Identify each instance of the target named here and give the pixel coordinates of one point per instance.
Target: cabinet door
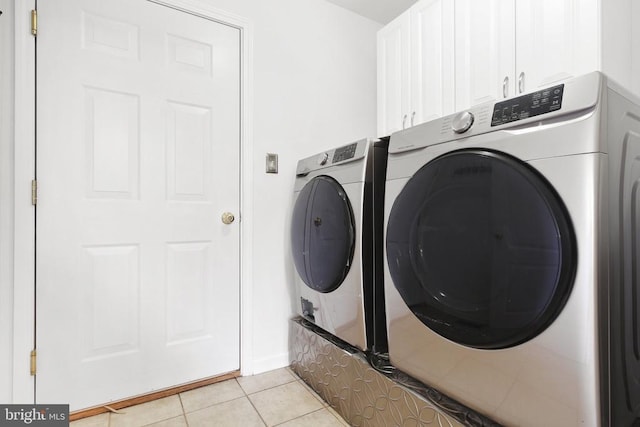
(393, 75)
(555, 39)
(432, 85)
(484, 51)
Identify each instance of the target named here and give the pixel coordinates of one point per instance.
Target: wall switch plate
(272, 163)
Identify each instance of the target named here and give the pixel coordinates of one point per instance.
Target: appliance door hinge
(34, 192)
(34, 22)
(33, 362)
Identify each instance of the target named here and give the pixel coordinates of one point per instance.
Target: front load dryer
(336, 242)
(512, 247)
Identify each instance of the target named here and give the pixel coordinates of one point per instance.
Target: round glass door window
(481, 249)
(322, 234)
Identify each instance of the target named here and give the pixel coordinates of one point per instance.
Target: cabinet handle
(413, 116)
(505, 87)
(521, 82)
(404, 121)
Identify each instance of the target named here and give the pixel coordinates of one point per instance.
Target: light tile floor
(275, 398)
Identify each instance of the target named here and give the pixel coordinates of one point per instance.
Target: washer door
(481, 249)
(322, 234)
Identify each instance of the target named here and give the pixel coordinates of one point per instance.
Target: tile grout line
(257, 412)
(326, 405)
(314, 393)
(170, 417)
(211, 405)
(184, 413)
(246, 395)
(271, 388)
(304, 415)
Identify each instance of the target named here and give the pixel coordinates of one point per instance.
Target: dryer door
(481, 249)
(322, 234)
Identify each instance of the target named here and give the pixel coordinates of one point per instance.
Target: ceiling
(382, 11)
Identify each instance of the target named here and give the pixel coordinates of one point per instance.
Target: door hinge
(33, 362)
(34, 192)
(34, 22)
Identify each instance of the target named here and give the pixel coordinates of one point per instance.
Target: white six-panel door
(138, 129)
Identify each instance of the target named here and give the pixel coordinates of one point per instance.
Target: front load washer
(336, 242)
(512, 247)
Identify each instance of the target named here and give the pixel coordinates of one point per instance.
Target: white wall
(616, 53)
(314, 67)
(313, 88)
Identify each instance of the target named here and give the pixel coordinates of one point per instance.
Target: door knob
(228, 218)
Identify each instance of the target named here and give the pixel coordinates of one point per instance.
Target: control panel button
(462, 122)
(322, 160)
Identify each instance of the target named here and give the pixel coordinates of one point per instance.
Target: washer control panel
(344, 153)
(530, 105)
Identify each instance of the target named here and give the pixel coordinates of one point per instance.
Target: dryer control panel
(344, 153)
(530, 105)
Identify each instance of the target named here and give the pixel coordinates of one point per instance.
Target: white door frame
(24, 172)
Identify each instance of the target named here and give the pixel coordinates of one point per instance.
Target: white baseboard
(270, 363)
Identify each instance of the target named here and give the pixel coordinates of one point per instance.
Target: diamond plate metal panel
(363, 395)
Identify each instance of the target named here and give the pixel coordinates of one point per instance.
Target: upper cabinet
(504, 48)
(445, 56)
(555, 39)
(393, 75)
(485, 51)
(415, 64)
(431, 60)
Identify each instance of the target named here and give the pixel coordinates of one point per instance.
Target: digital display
(530, 105)
(344, 153)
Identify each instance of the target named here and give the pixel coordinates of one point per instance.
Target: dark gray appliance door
(322, 234)
(481, 249)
